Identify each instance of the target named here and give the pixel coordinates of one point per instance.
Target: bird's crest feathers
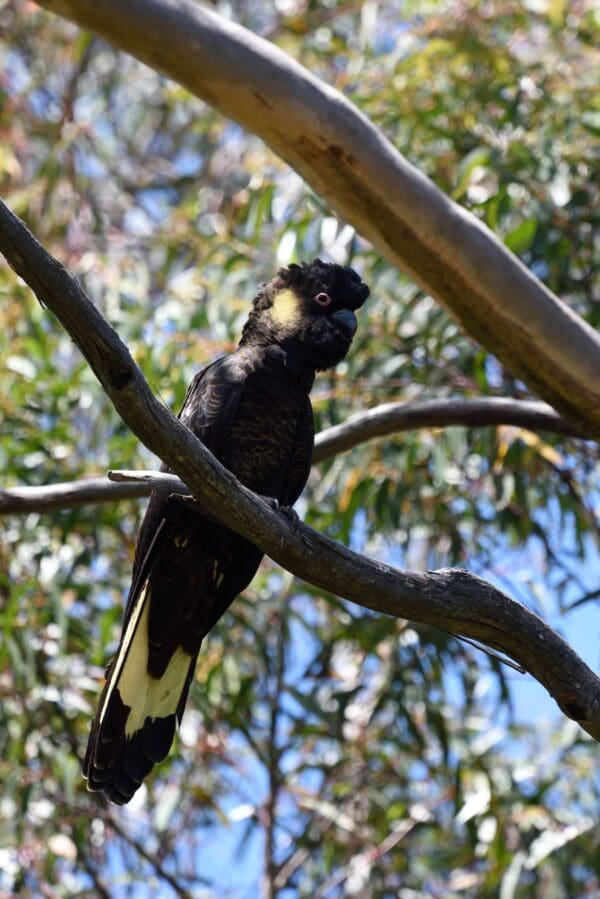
(301, 310)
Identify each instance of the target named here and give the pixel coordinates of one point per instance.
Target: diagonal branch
(150, 858)
(453, 600)
(382, 421)
(88, 811)
(349, 162)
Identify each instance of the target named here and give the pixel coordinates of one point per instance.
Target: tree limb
(67, 495)
(451, 599)
(384, 420)
(393, 418)
(341, 154)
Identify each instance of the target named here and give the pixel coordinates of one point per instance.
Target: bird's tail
(135, 723)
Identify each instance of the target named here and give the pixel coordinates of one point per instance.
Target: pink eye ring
(323, 299)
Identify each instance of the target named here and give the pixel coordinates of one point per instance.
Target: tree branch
(452, 600)
(99, 810)
(67, 495)
(393, 418)
(382, 421)
(341, 154)
(150, 858)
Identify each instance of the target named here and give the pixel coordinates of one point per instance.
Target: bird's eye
(323, 299)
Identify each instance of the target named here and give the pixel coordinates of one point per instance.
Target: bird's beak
(347, 319)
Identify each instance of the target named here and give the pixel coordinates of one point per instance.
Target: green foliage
(341, 752)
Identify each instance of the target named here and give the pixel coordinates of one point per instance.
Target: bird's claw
(190, 502)
(293, 520)
(287, 511)
(291, 515)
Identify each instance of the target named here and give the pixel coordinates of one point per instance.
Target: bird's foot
(190, 502)
(287, 511)
(292, 518)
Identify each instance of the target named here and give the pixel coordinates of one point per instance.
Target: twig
(494, 655)
(156, 865)
(100, 888)
(100, 811)
(366, 858)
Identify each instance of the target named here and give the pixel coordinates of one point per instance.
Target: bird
(252, 410)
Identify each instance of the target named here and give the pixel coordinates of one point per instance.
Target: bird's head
(308, 311)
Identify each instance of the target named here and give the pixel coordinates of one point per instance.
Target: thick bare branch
(349, 162)
(382, 421)
(452, 600)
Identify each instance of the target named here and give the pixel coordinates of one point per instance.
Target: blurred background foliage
(326, 751)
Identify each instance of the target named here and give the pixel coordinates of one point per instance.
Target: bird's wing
(301, 459)
(170, 607)
(209, 408)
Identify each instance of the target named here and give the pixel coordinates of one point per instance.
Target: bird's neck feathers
(279, 363)
(269, 331)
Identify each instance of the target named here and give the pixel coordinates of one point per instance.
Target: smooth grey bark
(451, 599)
(347, 160)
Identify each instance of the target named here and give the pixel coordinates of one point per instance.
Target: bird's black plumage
(252, 410)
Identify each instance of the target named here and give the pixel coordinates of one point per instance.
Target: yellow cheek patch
(285, 311)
